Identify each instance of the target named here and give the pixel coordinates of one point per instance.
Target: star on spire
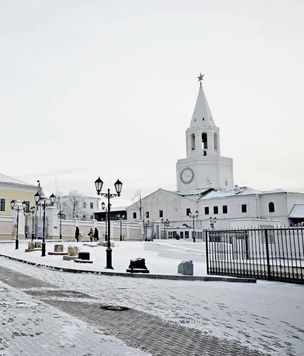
(200, 78)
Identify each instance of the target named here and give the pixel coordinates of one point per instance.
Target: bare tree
(73, 205)
(138, 203)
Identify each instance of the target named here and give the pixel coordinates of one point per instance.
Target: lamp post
(32, 210)
(61, 216)
(26, 213)
(166, 224)
(103, 207)
(17, 207)
(108, 195)
(212, 222)
(193, 216)
(38, 198)
(120, 217)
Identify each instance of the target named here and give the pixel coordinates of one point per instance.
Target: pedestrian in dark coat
(91, 233)
(96, 238)
(77, 234)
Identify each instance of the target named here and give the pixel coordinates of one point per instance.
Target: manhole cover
(113, 307)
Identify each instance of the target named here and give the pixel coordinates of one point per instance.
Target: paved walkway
(42, 318)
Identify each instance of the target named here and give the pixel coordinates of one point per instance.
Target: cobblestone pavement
(41, 318)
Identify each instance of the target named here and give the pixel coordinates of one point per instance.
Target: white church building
(206, 195)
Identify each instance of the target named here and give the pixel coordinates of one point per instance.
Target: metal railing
(272, 254)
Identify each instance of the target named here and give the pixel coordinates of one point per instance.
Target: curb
(145, 275)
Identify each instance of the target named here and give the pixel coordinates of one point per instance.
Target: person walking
(96, 238)
(91, 233)
(77, 234)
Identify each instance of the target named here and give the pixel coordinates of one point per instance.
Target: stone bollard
(31, 245)
(58, 248)
(138, 266)
(73, 250)
(38, 244)
(185, 268)
(84, 255)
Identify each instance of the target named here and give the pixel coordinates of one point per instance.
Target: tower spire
(202, 115)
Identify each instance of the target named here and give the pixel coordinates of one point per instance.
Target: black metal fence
(272, 254)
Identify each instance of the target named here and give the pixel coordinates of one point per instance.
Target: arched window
(204, 141)
(192, 142)
(271, 207)
(215, 141)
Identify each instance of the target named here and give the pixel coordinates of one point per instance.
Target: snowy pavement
(264, 317)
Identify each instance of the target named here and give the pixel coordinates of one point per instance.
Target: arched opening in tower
(192, 142)
(204, 141)
(215, 141)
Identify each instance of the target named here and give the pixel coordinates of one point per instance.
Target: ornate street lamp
(108, 195)
(17, 207)
(166, 224)
(212, 222)
(38, 198)
(193, 216)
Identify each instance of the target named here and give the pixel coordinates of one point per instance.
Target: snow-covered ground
(122, 253)
(266, 316)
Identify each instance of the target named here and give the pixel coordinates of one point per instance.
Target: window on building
(188, 211)
(83, 217)
(134, 215)
(84, 205)
(161, 214)
(147, 215)
(225, 209)
(271, 207)
(91, 205)
(215, 210)
(2, 204)
(244, 208)
(206, 210)
(91, 217)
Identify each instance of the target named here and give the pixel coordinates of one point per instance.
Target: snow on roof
(297, 211)
(7, 179)
(230, 192)
(279, 190)
(194, 192)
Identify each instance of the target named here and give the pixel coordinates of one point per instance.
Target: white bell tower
(204, 166)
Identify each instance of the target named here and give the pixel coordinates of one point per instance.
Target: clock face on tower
(187, 175)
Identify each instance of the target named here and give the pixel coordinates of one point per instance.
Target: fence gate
(33, 227)
(273, 254)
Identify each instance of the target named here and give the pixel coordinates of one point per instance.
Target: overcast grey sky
(108, 88)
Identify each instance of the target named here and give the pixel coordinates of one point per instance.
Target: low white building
(79, 206)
